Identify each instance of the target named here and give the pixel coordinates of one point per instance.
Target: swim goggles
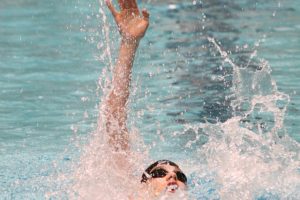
(160, 173)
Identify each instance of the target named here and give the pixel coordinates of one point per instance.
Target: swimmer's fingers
(127, 4)
(145, 14)
(132, 4)
(123, 4)
(111, 8)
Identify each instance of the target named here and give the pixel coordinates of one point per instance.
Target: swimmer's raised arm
(132, 26)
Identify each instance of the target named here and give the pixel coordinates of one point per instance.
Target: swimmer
(162, 176)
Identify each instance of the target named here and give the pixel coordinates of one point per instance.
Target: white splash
(247, 159)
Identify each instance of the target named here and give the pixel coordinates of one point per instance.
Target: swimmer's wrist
(130, 42)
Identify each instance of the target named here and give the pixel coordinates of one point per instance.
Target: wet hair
(145, 175)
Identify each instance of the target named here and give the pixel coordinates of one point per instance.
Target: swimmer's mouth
(172, 187)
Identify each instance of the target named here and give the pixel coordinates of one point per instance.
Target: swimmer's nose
(171, 176)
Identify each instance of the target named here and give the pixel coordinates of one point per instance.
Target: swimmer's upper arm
(116, 128)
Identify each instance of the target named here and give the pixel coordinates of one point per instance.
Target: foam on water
(247, 157)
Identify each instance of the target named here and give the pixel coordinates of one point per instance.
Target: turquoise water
(51, 58)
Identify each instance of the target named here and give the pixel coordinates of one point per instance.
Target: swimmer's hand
(131, 24)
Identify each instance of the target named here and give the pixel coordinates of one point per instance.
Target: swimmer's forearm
(122, 76)
(118, 97)
(126, 57)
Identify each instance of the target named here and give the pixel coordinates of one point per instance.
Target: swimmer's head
(164, 176)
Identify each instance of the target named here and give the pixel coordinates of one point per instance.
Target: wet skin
(163, 184)
(132, 24)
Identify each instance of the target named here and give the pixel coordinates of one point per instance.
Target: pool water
(214, 88)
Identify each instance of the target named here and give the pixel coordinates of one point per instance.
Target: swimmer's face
(168, 179)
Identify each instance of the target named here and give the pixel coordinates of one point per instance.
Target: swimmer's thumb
(145, 14)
